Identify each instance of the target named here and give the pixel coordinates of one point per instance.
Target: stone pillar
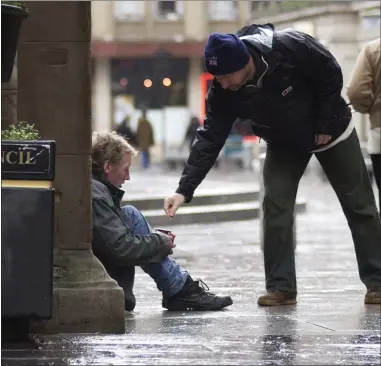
(196, 12)
(194, 89)
(103, 21)
(9, 100)
(102, 118)
(54, 93)
(244, 13)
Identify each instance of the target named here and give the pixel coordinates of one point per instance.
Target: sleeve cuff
(188, 196)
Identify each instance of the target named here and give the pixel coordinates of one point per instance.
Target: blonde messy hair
(109, 147)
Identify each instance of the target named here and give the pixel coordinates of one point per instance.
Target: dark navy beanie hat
(225, 54)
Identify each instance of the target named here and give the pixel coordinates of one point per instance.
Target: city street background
(89, 66)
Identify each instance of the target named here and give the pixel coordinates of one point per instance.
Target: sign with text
(28, 160)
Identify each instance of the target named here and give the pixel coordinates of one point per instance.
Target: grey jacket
(113, 243)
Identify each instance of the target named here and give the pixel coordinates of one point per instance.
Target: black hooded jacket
(297, 95)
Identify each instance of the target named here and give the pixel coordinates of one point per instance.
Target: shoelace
(202, 284)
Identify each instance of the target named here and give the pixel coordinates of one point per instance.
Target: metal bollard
(261, 197)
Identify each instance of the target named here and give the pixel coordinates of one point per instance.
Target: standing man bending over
(290, 87)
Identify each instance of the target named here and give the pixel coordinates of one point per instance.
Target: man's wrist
(322, 128)
(164, 238)
(187, 196)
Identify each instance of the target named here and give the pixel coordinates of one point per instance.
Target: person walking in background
(124, 130)
(144, 138)
(191, 132)
(364, 92)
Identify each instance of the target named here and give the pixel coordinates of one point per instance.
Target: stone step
(211, 213)
(206, 197)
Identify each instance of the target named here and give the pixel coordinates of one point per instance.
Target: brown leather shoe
(373, 296)
(277, 298)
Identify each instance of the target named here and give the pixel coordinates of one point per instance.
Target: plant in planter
(21, 147)
(24, 152)
(20, 131)
(12, 15)
(20, 4)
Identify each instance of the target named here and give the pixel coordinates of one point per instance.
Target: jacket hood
(259, 36)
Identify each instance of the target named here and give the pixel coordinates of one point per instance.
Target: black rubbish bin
(11, 19)
(27, 212)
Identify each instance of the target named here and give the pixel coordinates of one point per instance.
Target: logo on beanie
(213, 61)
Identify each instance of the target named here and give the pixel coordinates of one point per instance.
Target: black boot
(194, 296)
(127, 284)
(129, 301)
(125, 276)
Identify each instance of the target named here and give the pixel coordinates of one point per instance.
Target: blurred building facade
(148, 53)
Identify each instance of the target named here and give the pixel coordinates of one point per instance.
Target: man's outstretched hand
(172, 203)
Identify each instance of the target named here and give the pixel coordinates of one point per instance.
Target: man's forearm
(136, 250)
(201, 159)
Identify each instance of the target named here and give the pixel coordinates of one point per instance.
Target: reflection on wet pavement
(213, 345)
(342, 331)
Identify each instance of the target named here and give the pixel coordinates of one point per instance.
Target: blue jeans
(145, 159)
(168, 275)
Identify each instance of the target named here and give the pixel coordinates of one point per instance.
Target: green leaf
(20, 131)
(20, 4)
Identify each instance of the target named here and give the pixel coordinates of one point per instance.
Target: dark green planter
(11, 19)
(27, 213)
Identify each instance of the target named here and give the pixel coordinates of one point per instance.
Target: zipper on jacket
(259, 82)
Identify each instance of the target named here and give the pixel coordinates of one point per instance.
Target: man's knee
(137, 221)
(279, 209)
(130, 210)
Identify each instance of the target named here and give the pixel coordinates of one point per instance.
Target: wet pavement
(329, 325)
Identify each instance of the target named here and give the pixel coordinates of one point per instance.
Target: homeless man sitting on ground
(123, 239)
